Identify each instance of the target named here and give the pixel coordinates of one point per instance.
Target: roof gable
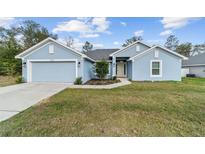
(157, 46)
(45, 42)
(129, 46)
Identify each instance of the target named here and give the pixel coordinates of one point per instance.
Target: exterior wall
(128, 52)
(184, 72)
(171, 67)
(87, 70)
(131, 51)
(199, 71)
(129, 70)
(43, 53)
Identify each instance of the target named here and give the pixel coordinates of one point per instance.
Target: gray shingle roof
(99, 54)
(195, 60)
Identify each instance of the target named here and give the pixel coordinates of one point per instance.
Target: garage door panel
(53, 71)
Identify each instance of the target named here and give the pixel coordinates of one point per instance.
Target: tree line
(14, 40)
(17, 39)
(172, 42)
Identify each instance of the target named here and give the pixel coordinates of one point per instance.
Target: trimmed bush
(101, 69)
(78, 81)
(19, 79)
(114, 78)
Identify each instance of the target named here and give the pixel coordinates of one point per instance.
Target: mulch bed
(101, 82)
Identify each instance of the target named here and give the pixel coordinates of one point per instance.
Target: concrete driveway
(16, 98)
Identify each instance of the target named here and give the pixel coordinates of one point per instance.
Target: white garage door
(53, 71)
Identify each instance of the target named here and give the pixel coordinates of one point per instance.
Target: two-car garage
(52, 71)
(51, 61)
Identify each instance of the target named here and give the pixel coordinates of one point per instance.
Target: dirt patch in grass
(101, 82)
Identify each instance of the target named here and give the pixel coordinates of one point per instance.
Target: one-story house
(52, 61)
(194, 65)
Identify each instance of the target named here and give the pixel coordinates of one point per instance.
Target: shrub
(19, 79)
(101, 69)
(78, 81)
(114, 78)
(10, 67)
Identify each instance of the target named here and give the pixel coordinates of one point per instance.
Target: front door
(121, 69)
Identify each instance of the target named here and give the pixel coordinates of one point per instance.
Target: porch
(121, 67)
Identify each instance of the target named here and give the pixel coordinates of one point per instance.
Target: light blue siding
(53, 71)
(24, 71)
(60, 53)
(131, 51)
(88, 70)
(171, 67)
(129, 70)
(199, 71)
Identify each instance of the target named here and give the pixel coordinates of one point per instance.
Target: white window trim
(160, 68)
(109, 68)
(29, 65)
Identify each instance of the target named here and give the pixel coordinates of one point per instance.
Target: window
(156, 54)
(137, 48)
(156, 68)
(125, 68)
(51, 49)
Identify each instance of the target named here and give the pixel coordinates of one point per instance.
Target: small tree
(101, 69)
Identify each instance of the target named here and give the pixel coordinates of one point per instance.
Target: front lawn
(7, 80)
(139, 109)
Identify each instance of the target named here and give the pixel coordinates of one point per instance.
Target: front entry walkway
(123, 82)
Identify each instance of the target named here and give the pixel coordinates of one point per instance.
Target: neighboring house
(194, 65)
(51, 61)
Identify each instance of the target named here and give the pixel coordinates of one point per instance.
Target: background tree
(172, 42)
(33, 33)
(9, 47)
(16, 39)
(132, 40)
(184, 49)
(87, 47)
(69, 41)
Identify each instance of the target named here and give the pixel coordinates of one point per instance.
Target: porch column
(113, 66)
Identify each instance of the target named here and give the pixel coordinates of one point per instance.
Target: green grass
(139, 109)
(7, 80)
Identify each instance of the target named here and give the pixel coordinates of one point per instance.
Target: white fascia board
(170, 51)
(144, 52)
(128, 47)
(174, 53)
(31, 48)
(23, 54)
